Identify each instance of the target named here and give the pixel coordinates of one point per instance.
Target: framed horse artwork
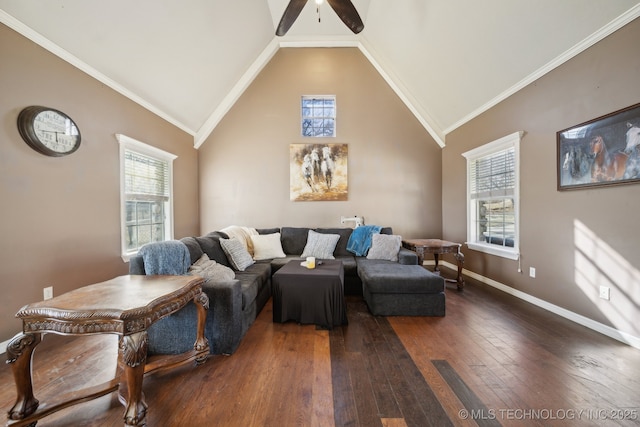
(602, 151)
(318, 172)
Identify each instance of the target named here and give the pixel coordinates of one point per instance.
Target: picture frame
(318, 172)
(600, 152)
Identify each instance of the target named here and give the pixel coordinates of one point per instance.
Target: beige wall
(394, 165)
(60, 218)
(555, 225)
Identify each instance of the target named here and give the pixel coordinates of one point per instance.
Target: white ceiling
(188, 61)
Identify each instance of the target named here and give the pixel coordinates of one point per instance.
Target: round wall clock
(48, 131)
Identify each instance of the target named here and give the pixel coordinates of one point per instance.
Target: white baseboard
(621, 336)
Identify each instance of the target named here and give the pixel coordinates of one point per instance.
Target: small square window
(319, 116)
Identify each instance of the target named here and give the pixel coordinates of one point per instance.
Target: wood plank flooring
(492, 360)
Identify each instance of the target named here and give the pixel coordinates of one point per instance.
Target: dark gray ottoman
(392, 289)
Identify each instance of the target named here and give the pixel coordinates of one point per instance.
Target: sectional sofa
(235, 300)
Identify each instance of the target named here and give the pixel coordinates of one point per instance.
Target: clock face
(56, 131)
(48, 131)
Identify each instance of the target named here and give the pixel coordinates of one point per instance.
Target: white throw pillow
(237, 253)
(320, 245)
(267, 246)
(385, 246)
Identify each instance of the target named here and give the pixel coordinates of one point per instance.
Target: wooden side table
(125, 306)
(437, 247)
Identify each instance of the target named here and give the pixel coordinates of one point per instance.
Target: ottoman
(392, 289)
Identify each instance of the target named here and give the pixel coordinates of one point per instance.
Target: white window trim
(512, 140)
(127, 142)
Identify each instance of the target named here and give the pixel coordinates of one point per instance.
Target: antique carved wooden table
(125, 306)
(437, 247)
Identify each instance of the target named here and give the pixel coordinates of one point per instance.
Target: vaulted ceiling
(188, 61)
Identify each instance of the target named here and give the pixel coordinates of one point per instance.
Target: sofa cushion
(252, 279)
(341, 247)
(388, 277)
(320, 245)
(195, 250)
(385, 246)
(268, 230)
(210, 244)
(293, 239)
(349, 265)
(237, 253)
(267, 246)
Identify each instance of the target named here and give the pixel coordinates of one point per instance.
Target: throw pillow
(267, 246)
(320, 245)
(385, 246)
(211, 270)
(237, 253)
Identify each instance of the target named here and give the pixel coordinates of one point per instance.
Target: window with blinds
(146, 175)
(492, 173)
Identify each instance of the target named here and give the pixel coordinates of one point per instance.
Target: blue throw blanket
(170, 257)
(360, 239)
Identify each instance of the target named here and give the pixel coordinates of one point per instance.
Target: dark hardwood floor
(492, 360)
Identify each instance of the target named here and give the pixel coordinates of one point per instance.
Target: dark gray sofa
(235, 304)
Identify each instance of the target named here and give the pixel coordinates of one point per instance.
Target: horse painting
(606, 166)
(327, 166)
(318, 172)
(633, 137)
(577, 163)
(307, 172)
(315, 165)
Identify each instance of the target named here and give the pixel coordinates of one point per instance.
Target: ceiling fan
(345, 10)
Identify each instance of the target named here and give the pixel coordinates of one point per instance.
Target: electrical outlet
(605, 292)
(532, 272)
(48, 292)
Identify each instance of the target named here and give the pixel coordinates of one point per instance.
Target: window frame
(303, 117)
(130, 144)
(507, 142)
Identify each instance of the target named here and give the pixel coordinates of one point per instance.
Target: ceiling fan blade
(347, 12)
(289, 16)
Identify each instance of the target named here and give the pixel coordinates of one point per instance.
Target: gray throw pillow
(320, 245)
(385, 246)
(237, 254)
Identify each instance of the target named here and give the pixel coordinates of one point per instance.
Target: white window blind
(146, 177)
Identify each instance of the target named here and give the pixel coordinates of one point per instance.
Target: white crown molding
(65, 55)
(616, 334)
(594, 38)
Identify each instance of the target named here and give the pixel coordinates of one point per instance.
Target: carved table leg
(133, 351)
(201, 344)
(460, 259)
(19, 355)
(420, 252)
(436, 269)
